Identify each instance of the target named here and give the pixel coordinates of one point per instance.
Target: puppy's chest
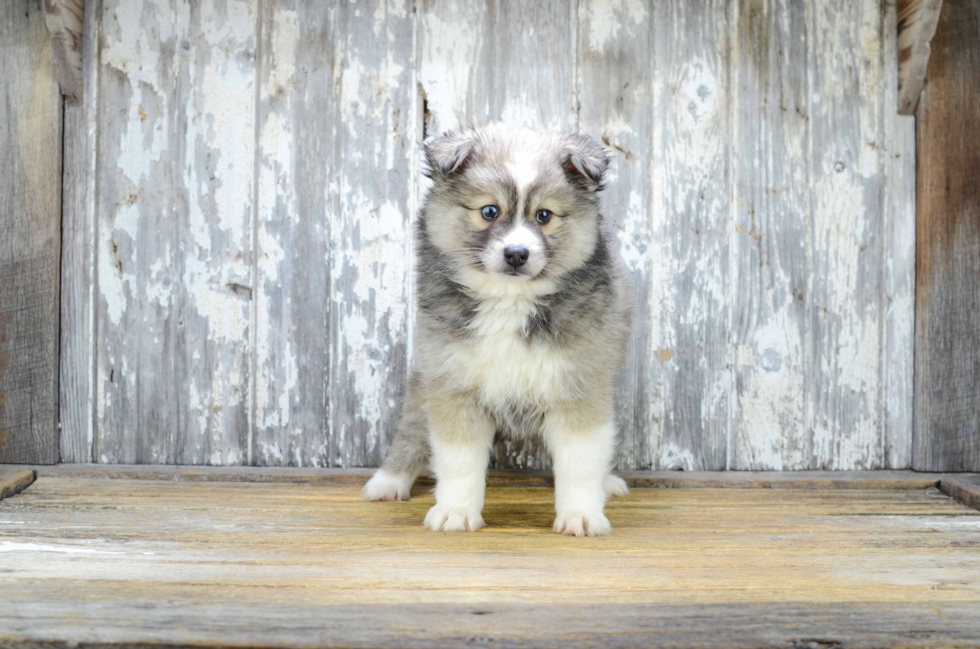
(501, 362)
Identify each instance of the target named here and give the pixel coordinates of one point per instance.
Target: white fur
(581, 465)
(615, 486)
(523, 170)
(519, 235)
(535, 371)
(462, 479)
(388, 486)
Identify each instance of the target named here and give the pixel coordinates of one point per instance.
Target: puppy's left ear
(585, 161)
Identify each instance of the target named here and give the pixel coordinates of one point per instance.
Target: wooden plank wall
(30, 235)
(947, 352)
(256, 175)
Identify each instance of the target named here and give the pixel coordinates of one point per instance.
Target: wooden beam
(31, 112)
(947, 296)
(14, 482)
(963, 488)
(900, 480)
(65, 19)
(917, 20)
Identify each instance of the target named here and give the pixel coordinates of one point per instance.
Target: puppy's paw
(582, 524)
(442, 518)
(613, 485)
(388, 486)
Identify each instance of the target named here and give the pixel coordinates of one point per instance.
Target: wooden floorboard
(121, 562)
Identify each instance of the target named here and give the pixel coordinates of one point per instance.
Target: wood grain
(844, 418)
(897, 263)
(30, 236)
(336, 150)
(78, 256)
(14, 481)
(692, 226)
(947, 295)
(113, 562)
(768, 250)
(174, 231)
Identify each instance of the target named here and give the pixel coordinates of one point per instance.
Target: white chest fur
(500, 363)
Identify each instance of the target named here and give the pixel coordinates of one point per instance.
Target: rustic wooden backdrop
(242, 176)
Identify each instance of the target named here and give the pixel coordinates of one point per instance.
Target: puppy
(523, 321)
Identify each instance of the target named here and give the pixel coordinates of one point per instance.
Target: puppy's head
(517, 205)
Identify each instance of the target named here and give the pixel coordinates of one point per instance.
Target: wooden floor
(93, 561)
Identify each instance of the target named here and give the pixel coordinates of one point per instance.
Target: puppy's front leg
(582, 457)
(461, 435)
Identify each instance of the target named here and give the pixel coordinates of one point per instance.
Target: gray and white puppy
(523, 321)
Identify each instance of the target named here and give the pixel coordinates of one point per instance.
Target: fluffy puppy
(523, 322)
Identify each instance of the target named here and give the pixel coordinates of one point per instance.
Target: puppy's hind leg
(407, 455)
(613, 485)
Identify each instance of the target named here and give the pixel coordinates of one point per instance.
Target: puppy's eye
(543, 217)
(490, 212)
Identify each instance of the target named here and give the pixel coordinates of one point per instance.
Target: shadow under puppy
(523, 322)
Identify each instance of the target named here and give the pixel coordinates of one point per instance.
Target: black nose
(516, 255)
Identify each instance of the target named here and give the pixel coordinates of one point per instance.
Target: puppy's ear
(584, 161)
(448, 154)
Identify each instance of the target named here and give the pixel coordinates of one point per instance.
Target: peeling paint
(254, 282)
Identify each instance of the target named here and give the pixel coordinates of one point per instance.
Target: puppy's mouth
(521, 273)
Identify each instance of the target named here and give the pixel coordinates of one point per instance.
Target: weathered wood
(692, 141)
(78, 257)
(337, 139)
(769, 255)
(947, 341)
(257, 178)
(65, 20)
(30, 236)
(897, 263)
(175, 212)
(965, 488)
(113, 562)
(138, 623)
(846, 173)
(917, 20)
(13, 482)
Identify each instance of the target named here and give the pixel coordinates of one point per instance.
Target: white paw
(388, 486)
(582, 524)
(453, 519)
(613, 485)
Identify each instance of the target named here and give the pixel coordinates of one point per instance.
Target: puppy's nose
(516, 255)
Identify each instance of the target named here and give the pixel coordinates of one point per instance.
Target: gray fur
(587, 311)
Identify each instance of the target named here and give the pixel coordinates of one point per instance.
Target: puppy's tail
(407, 456)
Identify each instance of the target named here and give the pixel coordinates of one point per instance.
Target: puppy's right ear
(448, 154)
